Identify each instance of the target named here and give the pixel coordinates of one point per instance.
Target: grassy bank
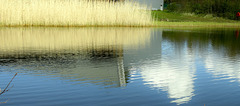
(170, 19)
(196, 24)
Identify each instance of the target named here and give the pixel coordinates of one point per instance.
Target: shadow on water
(85, 55)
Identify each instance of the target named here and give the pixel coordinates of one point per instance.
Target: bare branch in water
(4, 102)
(6, 89)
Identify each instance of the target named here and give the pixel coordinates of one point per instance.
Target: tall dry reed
(72, 13)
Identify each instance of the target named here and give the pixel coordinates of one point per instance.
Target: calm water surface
(120, 66)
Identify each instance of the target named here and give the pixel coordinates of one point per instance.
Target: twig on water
(6, 89)
(4, 102)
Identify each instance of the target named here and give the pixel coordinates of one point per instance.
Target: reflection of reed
(69, 40)
(65, 52)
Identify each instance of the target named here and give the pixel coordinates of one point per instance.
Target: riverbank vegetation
(85, 13)
(217, 8)
(176, 19)
(72, 13)
(196, 24)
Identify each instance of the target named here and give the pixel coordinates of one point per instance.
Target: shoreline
(197, 24)
(155, 24)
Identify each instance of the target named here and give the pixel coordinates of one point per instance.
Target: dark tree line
(220, 8)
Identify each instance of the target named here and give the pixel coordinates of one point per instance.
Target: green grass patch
(195, 24)
(187, 17)
(171, 19)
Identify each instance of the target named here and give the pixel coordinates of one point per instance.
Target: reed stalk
(73, 13)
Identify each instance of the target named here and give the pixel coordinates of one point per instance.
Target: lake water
(120, 66)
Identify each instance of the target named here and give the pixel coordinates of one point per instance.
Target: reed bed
(73, 13)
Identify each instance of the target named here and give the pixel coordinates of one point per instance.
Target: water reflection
(219, 50)
(205, 40)
(38, 41)
(223, 60)
(171, 71)
(237, 33)
(222, 67)
(84, 55)
(166, 60)
(176, 79)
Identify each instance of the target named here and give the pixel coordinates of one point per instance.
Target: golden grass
(72, 13)
(41, 40)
